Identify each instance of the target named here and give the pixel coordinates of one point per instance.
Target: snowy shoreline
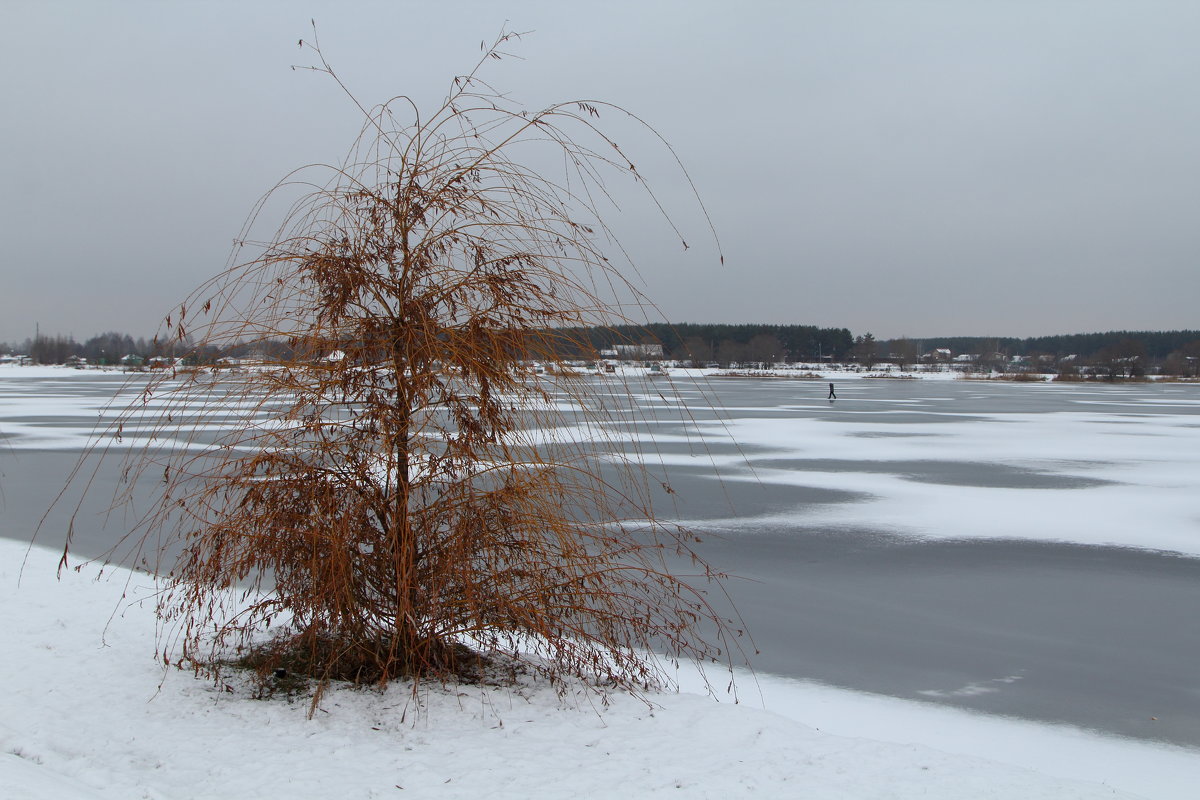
(91, 714)
(796, 372)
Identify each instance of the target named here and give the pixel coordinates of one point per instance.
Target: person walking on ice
(832, 394)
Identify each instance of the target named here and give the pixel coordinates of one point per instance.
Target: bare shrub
(402, 496)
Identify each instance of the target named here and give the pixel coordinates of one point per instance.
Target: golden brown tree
(403, 496)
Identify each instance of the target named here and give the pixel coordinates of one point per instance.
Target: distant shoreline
(793, 372)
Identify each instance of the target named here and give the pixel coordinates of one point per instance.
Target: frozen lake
(1030, 550)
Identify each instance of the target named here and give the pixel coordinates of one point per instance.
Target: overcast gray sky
(905, 168)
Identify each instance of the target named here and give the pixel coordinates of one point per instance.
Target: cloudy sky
(905, 168)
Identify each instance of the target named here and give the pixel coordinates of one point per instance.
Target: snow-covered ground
(89, 713)
(1139, 469)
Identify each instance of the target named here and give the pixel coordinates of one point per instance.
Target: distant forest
(706, 343)
(723, 345)
(1153, 344)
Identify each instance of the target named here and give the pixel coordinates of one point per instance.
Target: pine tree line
(1151, 344)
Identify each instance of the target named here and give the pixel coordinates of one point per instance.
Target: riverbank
(90, 714)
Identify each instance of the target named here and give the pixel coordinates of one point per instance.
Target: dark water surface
(1096, 636)
(1101, 637)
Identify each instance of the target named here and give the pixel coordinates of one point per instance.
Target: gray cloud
(914, 168)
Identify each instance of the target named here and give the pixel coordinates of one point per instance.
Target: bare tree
(1185, 361)
(765, 348)
(403, 496)
(905, 351)
(697, 350)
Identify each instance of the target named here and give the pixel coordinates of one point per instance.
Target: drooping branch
(404, 491)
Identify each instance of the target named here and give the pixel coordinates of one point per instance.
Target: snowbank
(90, 714)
